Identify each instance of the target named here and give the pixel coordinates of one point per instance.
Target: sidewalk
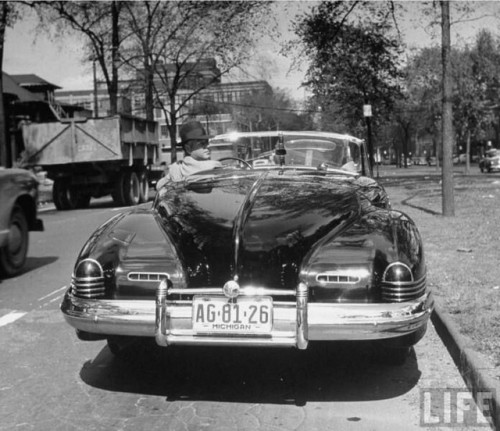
(387, 172)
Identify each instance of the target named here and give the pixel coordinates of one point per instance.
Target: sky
(59, 61)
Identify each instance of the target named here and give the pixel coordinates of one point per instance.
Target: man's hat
(192, 130)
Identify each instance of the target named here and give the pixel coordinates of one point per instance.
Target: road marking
(52, 293)
(11, 317)
(57, 298)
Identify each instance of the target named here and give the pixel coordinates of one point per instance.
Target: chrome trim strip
(403, 291)
(302, 323)
(149, 276)
(161, 314)
(88, 279)
(244, 291)
(97, 283)
(406, 283)
(334, 277)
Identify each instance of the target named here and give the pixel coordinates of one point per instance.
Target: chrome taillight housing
(398, 284)
(88, 280)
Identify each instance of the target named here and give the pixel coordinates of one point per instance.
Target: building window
(163, 130)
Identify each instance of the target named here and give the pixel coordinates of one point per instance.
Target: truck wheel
(59, 194)
(131, 189)
(82, 200)
(66, 197)
(144, 187)
(13, 254)
(117, 193)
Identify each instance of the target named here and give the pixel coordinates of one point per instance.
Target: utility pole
(367, 113)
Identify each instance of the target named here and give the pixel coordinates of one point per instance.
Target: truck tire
(60, 194)
(131, 189)
(13, 254)
(127, 189)
(67, 197)
(144, 187)
(117, 193)
(83, 200)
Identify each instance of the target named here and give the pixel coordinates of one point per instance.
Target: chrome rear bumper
(294, 323)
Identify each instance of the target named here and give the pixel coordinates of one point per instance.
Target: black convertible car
(290, 242)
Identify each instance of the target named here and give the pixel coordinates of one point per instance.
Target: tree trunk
(149, 98)
(448, 203)
(172, 131)
(467, 154)
(113, 90)
(4, 10)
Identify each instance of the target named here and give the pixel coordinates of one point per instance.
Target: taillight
(398, 284)
(88, 280)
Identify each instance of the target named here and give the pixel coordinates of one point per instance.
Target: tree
(8, 15)
(419, 108)
(354, 59)
(144, 22)
(99, 22)
(469, 110)
(448, 203)
(181, 38)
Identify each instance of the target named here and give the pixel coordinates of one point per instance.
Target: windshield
(302, 149)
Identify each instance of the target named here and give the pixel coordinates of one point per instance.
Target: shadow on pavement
(340, 371)
(33, 263)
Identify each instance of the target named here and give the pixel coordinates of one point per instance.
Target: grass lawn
(462, 252)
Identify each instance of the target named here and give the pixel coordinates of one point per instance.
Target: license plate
(244, 316)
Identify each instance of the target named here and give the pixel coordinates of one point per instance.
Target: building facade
(215, 106)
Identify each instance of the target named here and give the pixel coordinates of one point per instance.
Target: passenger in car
(194, 140)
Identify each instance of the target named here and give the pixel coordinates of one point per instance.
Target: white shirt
(178, 171)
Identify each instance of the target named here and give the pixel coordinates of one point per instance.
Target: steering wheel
(243, 163)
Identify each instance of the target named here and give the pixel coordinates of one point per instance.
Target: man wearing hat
(194, 140)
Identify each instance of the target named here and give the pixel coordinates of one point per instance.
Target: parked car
(296, 245)
(420, 161)
(18, 216)
(490, 161)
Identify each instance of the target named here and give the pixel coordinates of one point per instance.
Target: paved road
(49, 380)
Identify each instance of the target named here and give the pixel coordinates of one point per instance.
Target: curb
(472, 367)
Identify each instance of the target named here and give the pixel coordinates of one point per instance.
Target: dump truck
(93, 157)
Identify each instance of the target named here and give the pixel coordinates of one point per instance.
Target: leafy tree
(354, 59)
(485, 91)
(420, 106)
